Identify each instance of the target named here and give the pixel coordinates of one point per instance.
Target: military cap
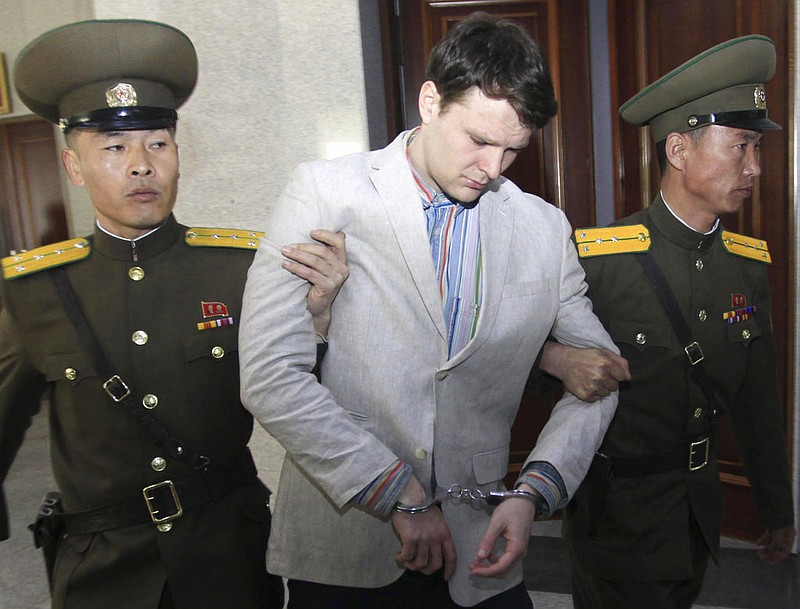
(721, 86)
(108, 74)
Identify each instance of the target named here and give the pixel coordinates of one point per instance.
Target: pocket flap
(490, 466)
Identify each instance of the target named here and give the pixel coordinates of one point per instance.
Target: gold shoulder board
(45, 257)
(223, 237)
(747, 247)
(612, 240)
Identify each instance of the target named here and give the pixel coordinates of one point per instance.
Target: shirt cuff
(546, 480)
(383, 493)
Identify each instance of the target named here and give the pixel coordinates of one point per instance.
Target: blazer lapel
(497, 224)
(395, 186)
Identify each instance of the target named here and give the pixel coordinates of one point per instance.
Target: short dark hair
(499, 57)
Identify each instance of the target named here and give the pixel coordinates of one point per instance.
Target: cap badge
(121, 95)
(760, 97)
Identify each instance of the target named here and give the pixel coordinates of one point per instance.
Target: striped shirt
(454, 235)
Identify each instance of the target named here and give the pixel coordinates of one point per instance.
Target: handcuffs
(467, 494)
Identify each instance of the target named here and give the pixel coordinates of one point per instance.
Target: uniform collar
(152, 244)
(676, 231)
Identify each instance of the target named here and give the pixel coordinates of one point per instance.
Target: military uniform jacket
(144, 300)
(636, 528)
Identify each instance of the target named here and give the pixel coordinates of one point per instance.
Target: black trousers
(592, 592)
(412, 591)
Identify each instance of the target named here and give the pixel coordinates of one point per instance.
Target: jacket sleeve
(277, 354)
(759, 423)
(575, 428)
(20, 391)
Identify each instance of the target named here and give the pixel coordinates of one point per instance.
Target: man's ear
(72, 165)
(675, 150)
(428, 101)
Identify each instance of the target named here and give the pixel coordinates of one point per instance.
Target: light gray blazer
(389, 390)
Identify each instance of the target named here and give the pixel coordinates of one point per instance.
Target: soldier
(133, 332)
(688, 305)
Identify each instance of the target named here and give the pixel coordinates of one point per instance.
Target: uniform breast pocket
(642, 335)
(72, 368)
(217, 344)
(741, 333)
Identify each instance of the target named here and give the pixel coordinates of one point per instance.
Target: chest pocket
(215, 344)
(72, 368)
(643, 335)
(743, 332)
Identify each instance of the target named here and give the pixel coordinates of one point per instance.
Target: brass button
(699, 265)
(641, 338)
(136, 273)
(164, 527)
(441, 375)
(159, 464)
(698, 413)
(420, 453)
(150, 401)
(746, 334)
(702, 315)
(139, 337)
(70, 374)
(218, 352)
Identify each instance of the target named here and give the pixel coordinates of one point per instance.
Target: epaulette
(747, 247)
(223, 237)
(630, 239)
(45, 257)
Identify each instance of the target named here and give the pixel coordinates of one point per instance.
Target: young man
(457, 277)
(644, 522)
(163, 506)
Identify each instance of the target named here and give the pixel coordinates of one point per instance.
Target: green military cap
(721, 86)
(108, 74)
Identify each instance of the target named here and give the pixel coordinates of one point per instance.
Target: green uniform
(636, 528)
(147, 302)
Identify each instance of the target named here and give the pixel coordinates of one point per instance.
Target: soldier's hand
(776, 544)
(324, 265)
(589, 374)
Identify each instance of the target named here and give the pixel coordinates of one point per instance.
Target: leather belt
(692, 457)
(167, 500)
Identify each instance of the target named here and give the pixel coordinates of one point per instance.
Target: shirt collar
(429, 196)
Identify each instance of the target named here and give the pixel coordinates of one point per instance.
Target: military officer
(133, 333)
(642, 525)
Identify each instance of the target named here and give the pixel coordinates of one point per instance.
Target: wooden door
(558, 164)
(31, 204)
(648, 38)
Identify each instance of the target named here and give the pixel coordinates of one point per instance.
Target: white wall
(281, 81)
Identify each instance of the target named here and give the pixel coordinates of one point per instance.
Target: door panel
(31, 204)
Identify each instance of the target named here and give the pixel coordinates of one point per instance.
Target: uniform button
(136, 273)
(702, 315)
(218, 352)
(420, 453)
(698, 412)
(70, 374)
(164, 527)
(698, 265)
(150, 401)
(139, 337)
(746, 334)
(159, 464)
(441, 375)
(641, 338)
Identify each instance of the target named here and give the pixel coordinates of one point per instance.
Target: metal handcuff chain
(466, 495)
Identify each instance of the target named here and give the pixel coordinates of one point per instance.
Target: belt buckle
(694, 352)
(116, 388)
(149, 499)
(695, 449)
